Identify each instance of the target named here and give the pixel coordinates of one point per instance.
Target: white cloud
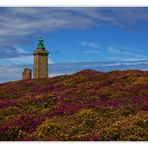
(21, 50)
(126, 53)
(90, 44)
(113, 50)
(18, 60)
(26, 60)
(92, 51)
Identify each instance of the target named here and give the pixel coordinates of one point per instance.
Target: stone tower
(40, 61)
(26, 75)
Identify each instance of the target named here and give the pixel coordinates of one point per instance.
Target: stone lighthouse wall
(40, 64)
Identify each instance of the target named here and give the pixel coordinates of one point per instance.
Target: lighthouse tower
(40, 61)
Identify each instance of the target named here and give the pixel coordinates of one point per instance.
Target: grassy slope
(88, 105)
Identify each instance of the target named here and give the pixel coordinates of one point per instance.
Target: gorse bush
(85, 106)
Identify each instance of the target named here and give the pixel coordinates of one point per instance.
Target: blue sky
(72, 35)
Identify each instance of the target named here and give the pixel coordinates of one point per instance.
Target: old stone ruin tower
(26, 75)
(40, 67)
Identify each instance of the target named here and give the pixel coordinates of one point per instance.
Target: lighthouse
(40, 68)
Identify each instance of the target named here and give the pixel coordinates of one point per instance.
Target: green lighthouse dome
(40, 43)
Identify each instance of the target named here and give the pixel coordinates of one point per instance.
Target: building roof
(40, 43)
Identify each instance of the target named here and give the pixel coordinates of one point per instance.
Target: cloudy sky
(81, 36)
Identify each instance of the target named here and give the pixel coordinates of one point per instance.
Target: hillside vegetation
(87, 105)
